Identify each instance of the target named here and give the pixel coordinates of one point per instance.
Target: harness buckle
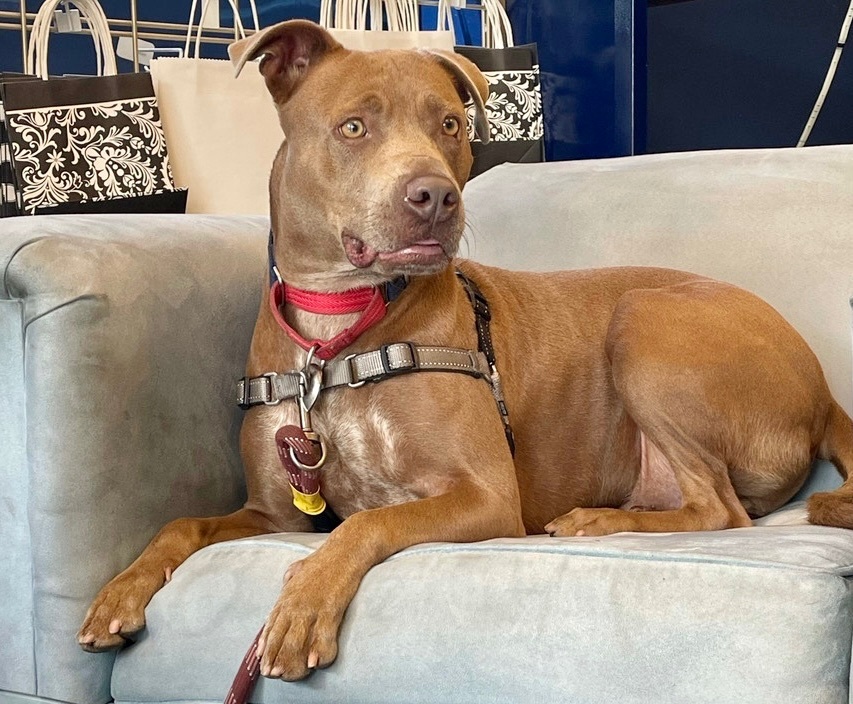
(270, 400)
(243, 395)
(387, 369)
(353, 374)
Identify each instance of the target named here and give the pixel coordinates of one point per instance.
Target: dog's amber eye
(450, 126)
(353, 129)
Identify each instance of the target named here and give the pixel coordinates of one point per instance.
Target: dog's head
(367, 185)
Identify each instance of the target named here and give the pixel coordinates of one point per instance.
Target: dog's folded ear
(289, 49)
(471, 84)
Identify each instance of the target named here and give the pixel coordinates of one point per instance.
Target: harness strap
(358, 369)
(482, 320)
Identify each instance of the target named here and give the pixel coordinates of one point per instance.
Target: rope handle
(497, 30)
(239, 29)
(402, 15)
(92, 11)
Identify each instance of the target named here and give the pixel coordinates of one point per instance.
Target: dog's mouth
(423, 254)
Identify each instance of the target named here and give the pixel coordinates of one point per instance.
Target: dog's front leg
(117, 612)
(302, 629)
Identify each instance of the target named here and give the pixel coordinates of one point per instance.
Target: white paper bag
(372, 40)
(222, 133)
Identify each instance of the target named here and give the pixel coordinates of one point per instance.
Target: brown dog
(641, 399)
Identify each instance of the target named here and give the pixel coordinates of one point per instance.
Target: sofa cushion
(629, 618)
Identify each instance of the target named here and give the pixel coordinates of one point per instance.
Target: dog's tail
(835, 508)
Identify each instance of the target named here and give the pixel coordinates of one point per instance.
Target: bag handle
(497, 30)
(205, 5)
(92, 11)
(402, 15)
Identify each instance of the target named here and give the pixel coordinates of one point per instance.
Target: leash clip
(310, 383)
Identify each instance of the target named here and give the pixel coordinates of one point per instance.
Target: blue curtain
(592, 62)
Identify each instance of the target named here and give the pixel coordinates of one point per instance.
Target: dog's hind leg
(118, 610)
(674, 472)
(835, 508)
(729, 400)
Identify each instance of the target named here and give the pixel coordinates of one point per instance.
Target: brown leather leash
(247, 675)
(302, 457)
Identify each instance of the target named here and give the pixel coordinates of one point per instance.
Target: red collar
(368, 301)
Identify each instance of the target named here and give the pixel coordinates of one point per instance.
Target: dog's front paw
(301, 633)
(117, 612)
(591, 522)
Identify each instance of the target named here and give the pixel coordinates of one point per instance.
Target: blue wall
(593, 69)
(745, 73)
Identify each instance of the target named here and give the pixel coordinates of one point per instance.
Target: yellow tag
(312, 504)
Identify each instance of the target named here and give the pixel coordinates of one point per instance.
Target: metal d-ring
(306, 467)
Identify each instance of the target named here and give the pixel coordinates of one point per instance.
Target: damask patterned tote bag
(10, 203)
(86, 144)
(89, 145)
(514, 105)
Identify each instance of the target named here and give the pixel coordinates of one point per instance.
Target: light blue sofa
(120, 338)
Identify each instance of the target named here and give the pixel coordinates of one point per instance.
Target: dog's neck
(318, 326)
(313, 325)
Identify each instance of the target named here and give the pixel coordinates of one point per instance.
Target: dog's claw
(117, 612)
(302, 629)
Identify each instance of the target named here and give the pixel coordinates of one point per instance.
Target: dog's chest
(363, 466)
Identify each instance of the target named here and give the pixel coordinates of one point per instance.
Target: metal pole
(24, 46)
(142, 35)
(142, 24)
(134, 29)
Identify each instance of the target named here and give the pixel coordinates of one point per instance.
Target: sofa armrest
(122, 337)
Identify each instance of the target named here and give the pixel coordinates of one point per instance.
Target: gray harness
(388, 361)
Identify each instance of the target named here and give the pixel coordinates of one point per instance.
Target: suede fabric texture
(124, 335)
(748, 615)
(17, 659)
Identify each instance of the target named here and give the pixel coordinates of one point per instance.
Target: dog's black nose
(432, 197)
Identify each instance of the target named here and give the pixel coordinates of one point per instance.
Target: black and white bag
(84, 141)
(86, 144)
(514, 105)
(10, 202)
